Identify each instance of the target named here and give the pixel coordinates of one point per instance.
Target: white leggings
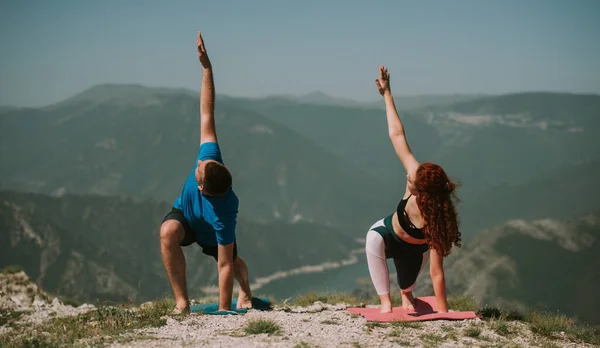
(377, 262)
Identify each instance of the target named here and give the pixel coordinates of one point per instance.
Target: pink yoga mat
(425, 309)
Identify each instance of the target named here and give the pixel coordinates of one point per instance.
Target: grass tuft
(11, 269)
(550, 325)
(262, 326)
(408, 324)
(472, 331)
(431, 339)
(501, 327)
(452, 335)
(489, 312)
(374, 324)
(395, 333)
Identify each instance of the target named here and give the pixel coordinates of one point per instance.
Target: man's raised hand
(383, 82)
(202, 55)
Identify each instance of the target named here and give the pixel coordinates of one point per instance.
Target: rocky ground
(26, 310)
(333, 326)
(24, 303)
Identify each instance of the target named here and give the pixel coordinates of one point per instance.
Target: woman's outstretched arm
(395, 126)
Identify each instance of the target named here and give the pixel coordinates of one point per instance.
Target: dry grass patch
(262, 326)
(101, 325)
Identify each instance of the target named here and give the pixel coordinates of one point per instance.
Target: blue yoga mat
(260, 304)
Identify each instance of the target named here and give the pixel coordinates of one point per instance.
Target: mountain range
(294, 161)
(87, 180)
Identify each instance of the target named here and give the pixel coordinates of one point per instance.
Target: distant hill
(321, 98)
(568, 191)
(402, 102)
(107, 248)
(480, 141)
(511, 139)
(483, 158)
(574, 114)
(358, 135)
(4, 108)
(562, 110)
(533, 264)
(422, 101)
(122, 94)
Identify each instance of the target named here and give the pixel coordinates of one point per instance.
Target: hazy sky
(52, 50)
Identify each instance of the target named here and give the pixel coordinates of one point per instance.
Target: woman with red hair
(425, 221)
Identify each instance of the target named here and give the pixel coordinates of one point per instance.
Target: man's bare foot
(181, 310)
(243, 302)
(408, 301)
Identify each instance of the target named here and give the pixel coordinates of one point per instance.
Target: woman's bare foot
(386, 308)
(408, 301)
(386, 303)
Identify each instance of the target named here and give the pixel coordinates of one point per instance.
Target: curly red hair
(435, 199)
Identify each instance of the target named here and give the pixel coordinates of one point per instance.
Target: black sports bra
(405, 223)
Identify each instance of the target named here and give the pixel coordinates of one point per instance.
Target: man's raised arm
(208, 131)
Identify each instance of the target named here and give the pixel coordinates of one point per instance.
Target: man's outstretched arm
(226, 272)
(208, 131)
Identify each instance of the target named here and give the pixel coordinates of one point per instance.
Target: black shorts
(408, 258)
(190, 236)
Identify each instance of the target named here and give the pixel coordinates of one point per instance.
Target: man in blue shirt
(205, 212)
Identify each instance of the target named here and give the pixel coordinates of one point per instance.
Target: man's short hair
(217, 179)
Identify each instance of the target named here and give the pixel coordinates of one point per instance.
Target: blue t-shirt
(213, 219)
